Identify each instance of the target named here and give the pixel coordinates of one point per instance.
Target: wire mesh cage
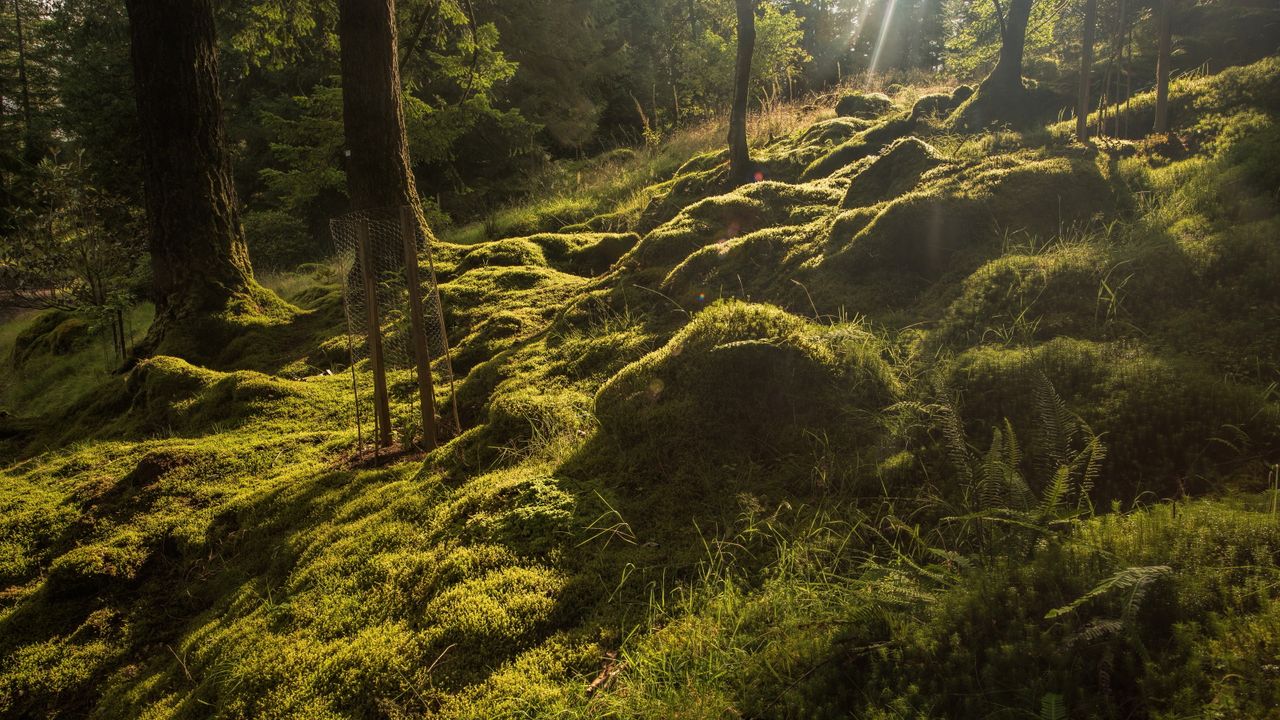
(402, 379)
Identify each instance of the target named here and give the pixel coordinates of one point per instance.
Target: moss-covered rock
(863, 145)
(1168, 426)
(506, 253)
(1027, 297)
(749, 382)
(53, 332)
(955, 220)
(863, 105)
(894, 172)
(724, 217)
(934, 105)
(586, 254)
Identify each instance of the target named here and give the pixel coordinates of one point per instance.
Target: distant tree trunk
(1006, 78)
(29, 152)
(378, 169)
(198, 254)
(739, 151)
(1086, 69)
(1165, 43)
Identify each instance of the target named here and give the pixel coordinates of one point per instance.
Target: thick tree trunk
(1006, 78)
(740, 170)
(1086, 69)
(378, 170)
(198, 254)
(1165, 45)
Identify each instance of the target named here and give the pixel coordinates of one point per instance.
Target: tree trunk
(740, 170)
(1086, 69)
(1006, 78)
(1165, 29)
(378, 170)
(29, 150)
(198, 255)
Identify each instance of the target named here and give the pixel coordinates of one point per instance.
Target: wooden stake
(381, 403)
(421, 354)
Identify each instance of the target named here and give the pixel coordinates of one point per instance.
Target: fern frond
(1053, 707)
(1054, 493)
(953, 434)
(992, 483)
(1056, 427)
(1127, 579)
(1012, 453)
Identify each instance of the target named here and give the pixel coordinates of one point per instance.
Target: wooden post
(368, 269)
(421, 354)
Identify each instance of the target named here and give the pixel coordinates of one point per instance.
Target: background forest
(495, 91)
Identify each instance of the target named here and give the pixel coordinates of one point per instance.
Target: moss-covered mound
(957, 218)
(502, 253)
(1033, 297)
(54, 332)
(725, 217)
(169, 395)
(750, 382)
(894, 172)
(1165, 422)
(490, 308)
(586, 254)
(863, 105)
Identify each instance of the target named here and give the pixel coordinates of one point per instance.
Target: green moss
(1168, 425)
(585, 254)
(510, 252)
(746, 381)
(892, 173)
(754, 511)
(1031, 297)
(863, 105)
(956, 219)
(54, 332)
(724, 217)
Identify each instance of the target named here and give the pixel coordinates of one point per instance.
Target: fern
(953, 434)
(1055, 493)
(1053, 707)
(1134, 579)
(1056, 427)
(991, 482)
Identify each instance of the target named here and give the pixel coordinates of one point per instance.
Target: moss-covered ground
(924, 424)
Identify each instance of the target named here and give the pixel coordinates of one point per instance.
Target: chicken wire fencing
(401, 377)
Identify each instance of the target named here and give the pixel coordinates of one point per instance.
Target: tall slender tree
(378, 169)
(198, 256)
(1164, 29)
(739, 152)
(1086, 69)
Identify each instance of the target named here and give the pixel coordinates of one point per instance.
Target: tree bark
(1006, 78)
(29, 150)
(1165, 43)
(1086, 69)
(740, 170)
(1007, 74)
(198, 254)
(378, 171)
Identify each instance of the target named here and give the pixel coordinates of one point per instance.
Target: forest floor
(925, 423)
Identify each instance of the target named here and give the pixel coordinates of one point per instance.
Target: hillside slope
(923, 424)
